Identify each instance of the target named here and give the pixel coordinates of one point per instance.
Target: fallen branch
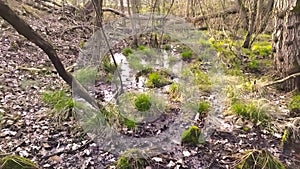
(282, 80)
(24, 29)
(226, 12)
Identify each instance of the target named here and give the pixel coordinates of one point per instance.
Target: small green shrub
(192, 136)
(203, 106)
(130, 123)
(16, 162)
(143, 102)
(186, 55)
(61, 103)
(86, 75)
(127, 51)
(294, 105)
(285, 136)
(262, 159)
(157, 80)
(253, 111)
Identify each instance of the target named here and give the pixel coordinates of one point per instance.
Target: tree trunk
(287, 42)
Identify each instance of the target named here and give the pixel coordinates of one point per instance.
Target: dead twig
(282, 80)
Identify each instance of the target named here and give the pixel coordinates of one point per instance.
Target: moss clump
(17, 162)
(203, 106)
(186, 55)
(253, 111)
(167, 47)
(109, 67)
(157, 80)
(142, 47)
(131, 160)
(259, 159)
(294, 105)
(86, 75)
(127, 51)
(192, 136)
(143, 102)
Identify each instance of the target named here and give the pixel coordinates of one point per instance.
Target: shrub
(157, 80)
(192, 136)
(127, 51)
(259, 159)
(143, 102)
(203, 106)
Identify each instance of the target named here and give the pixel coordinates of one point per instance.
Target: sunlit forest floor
(32, 128)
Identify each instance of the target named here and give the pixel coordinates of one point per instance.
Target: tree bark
(24, 29)
(287, 42)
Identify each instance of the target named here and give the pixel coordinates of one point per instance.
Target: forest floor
(28, 130)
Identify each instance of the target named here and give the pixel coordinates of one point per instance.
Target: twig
(67, 151)
(282, 80)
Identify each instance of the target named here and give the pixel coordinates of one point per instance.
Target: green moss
(253, 111)
(186, 55)
(294, 105)
(143, 102)
(259, 159)
(131, 160)
(141, 47)
(17, 162)
(203, 106)
(192, 136)
(127, 51)
(130, 123)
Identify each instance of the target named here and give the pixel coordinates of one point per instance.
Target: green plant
(16, 162)
(142, 47)
(86, 75)
(262, 48)
(167, 47)
(186, 55)
(157, 80)
(61, 103)
(108, 66)
(143, 102)
(285, 136)
(130, 123)
(294, 105)
(254, 111)
(127, 51)
(253, 65)
(175, 91)
(192, 136)
(131, 160)
(203, 106)
(261, 159)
